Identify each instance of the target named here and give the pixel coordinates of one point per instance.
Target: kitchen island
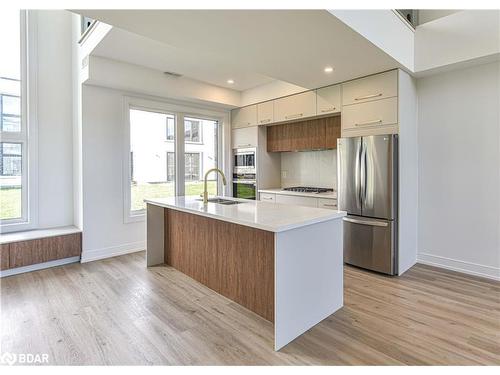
(282, 262)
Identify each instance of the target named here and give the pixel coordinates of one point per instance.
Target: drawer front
(328, 100)
(370, 115)
(330, 204)
(244, 137)
(296, 200)
(243, 117)
(379, 86)
(265, 113)
(267, 197)
(295, 107)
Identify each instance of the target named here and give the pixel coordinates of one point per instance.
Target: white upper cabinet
(375, 87)
(245, 137)
(371, 115)
(243, 117)
(328, 100)
(265, 113)
(295, 107)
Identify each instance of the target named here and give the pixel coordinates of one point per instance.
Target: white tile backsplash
(309, 168)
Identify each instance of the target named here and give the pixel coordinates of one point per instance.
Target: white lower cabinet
(297, 200)
(267, 197)
(327, 203)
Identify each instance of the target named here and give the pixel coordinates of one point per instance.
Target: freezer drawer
(370, 243)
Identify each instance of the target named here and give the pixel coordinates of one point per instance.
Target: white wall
(268, 91)
(457, 38)
(55, 118)
(384, 29)
(428, 15)
(459, 186)
(309, 168)
(104, 231)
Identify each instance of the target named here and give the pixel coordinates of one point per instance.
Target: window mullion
(180, 186)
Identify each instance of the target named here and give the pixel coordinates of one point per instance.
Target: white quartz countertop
(327, 195)
(273, 217)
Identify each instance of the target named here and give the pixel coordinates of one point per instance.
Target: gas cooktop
(307, 189)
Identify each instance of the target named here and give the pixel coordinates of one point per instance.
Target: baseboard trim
(39, 266)
(460, 266)
(112, 251)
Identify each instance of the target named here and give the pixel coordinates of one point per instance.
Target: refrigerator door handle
(362, 161)
(366, 222)
(357, 182)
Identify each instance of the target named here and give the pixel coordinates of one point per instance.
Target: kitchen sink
(227, 202)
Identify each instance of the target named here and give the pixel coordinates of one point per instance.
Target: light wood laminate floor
(116, 311)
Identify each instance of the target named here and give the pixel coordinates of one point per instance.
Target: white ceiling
(122, 45)
(250, 46)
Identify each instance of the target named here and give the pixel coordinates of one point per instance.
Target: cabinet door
(295, 107)
(378, 86)
(332, 131)
(243, 117)
(327, 203)
(4, 256)
(276, 138)
(265, 113)
(244, 137)
(328, 100)
(370, 115)
(297, 200)
(267, 197)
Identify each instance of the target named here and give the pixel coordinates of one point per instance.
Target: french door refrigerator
(367, 170)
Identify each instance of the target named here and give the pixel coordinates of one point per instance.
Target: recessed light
(230, 81)
(328, 69)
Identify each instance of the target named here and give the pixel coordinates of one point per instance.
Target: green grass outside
(142, 191)
(10, 199)
(10, 203)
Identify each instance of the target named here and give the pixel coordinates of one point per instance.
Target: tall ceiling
(252, 47)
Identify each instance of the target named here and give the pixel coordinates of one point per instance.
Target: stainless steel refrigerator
(367, 170)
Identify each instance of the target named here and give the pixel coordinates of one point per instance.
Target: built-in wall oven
(245, 173)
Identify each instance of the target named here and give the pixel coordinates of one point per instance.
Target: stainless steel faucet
(205, 192)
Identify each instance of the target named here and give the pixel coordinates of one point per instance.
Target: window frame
(28, 136)
(179, 110)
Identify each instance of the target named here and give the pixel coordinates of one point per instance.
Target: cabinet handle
(266, 198)
(329, 205)
(245, 145)
(297, 115)
(329, 109)
(368, 123)
(265, 121)
(368, 96)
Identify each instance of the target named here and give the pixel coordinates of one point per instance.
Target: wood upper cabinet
(332, 131)
(295, 107)
(375, 87)
(265, 113)
(243, 117)
(315, 134)
(328, 100)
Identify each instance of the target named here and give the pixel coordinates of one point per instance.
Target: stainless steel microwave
(244, 160)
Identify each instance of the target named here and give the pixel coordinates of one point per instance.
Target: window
(148, 157)
(192, 131)
(154, 168)
(13, 124)
(170, 128)
(192, 166)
